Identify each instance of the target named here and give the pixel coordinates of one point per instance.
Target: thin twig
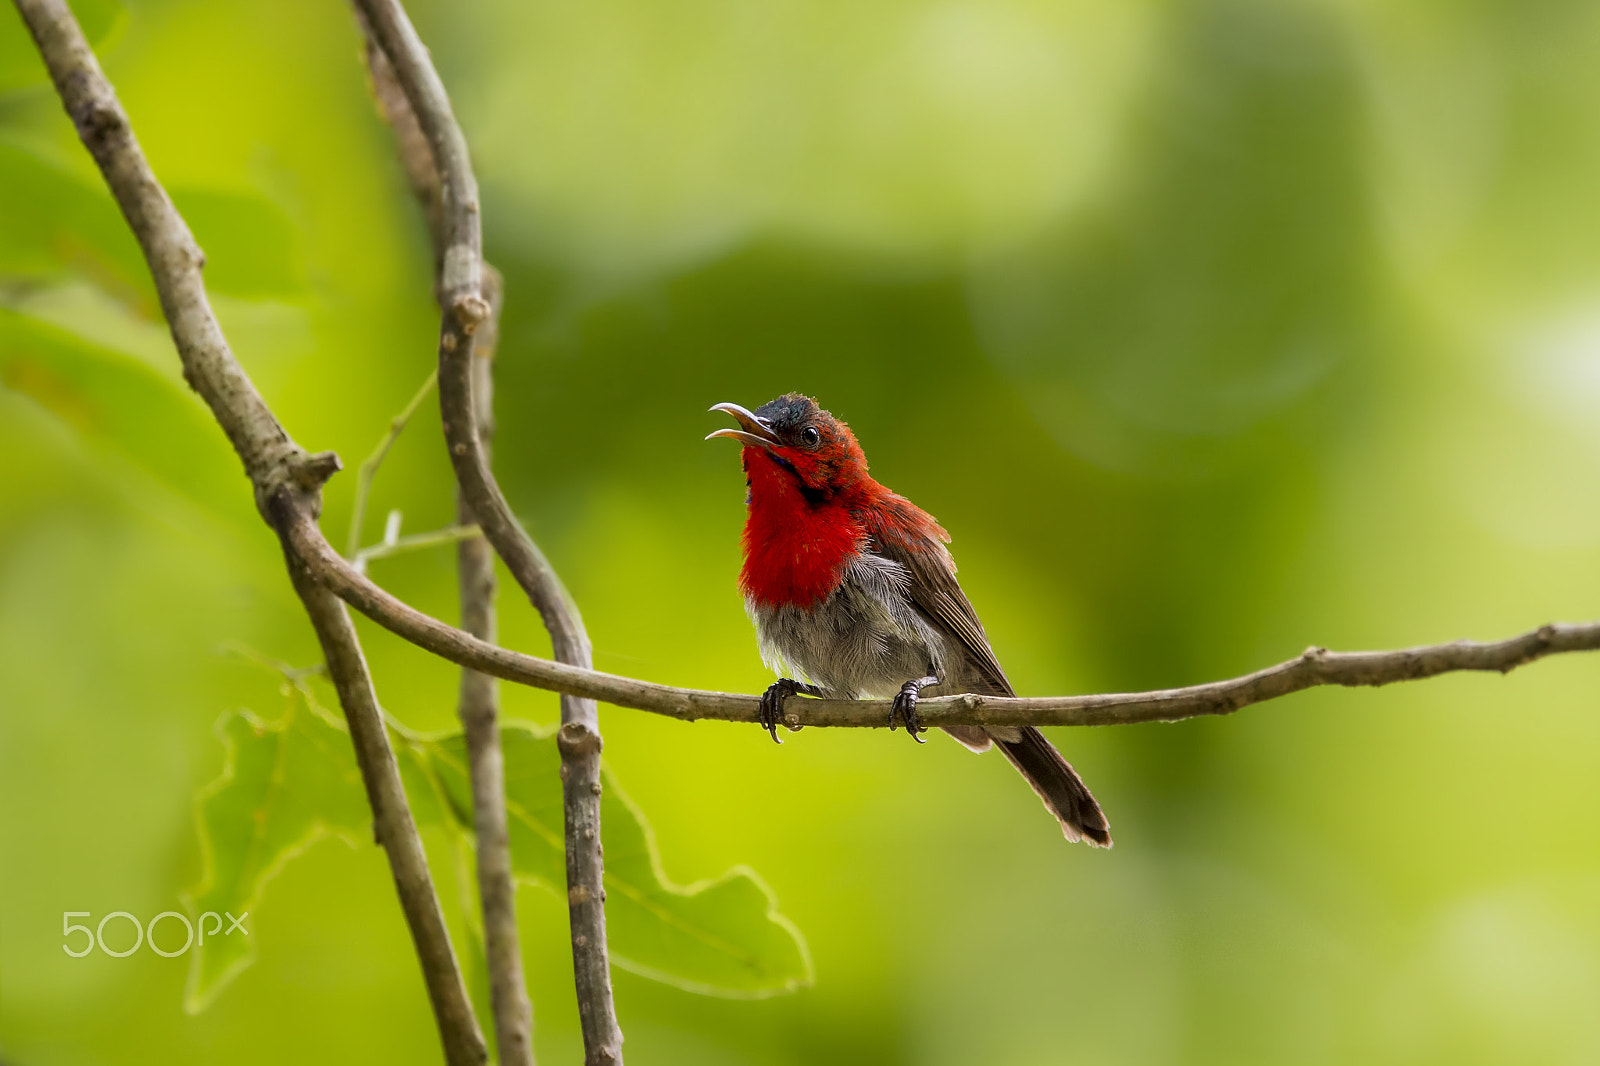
(369, 467)
(459, 253)
(286, 479)
(416, 542)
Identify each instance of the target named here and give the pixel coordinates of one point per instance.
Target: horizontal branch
(1313, 668)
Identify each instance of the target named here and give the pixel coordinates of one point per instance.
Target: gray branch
(287, 482)
(458, 249)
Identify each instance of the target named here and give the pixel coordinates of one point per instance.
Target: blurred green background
(1209, 328)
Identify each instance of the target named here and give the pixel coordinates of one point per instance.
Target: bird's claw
(904, 709)
(771, 712)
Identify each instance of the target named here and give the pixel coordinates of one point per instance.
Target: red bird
(852, 588)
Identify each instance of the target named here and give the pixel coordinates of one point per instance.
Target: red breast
(795, 551)
(813, 506)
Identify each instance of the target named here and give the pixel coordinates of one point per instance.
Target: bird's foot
(771, 712)
(904, 708)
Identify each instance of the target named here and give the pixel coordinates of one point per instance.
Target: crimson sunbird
(851, 587)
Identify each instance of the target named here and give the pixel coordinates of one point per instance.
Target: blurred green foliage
(19, 64)
(1210, 329)
(291, 781)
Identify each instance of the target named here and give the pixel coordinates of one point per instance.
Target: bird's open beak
(756, 432)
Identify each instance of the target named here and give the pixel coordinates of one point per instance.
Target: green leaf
(285, 785)
(19, 60)
(289, 783)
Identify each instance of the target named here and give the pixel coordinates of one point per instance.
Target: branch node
(448, 342)
(471, 310)
(576, 739)
(311, 471)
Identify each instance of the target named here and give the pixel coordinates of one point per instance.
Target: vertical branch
(479, 695)
(287, 483)
(459, 253)
(480, 713)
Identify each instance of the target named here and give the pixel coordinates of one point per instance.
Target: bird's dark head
(800, 441)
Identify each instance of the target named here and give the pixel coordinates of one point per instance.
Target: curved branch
(1313, 668)
(279, 470)
(458, 250)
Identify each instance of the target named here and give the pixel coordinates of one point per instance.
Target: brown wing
(914, 540)
(935, 590)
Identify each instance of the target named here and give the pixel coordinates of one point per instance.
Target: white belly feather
(867, 639)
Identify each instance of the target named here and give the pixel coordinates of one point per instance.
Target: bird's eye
(810, 436)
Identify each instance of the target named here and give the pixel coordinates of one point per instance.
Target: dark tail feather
(1059, 785)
